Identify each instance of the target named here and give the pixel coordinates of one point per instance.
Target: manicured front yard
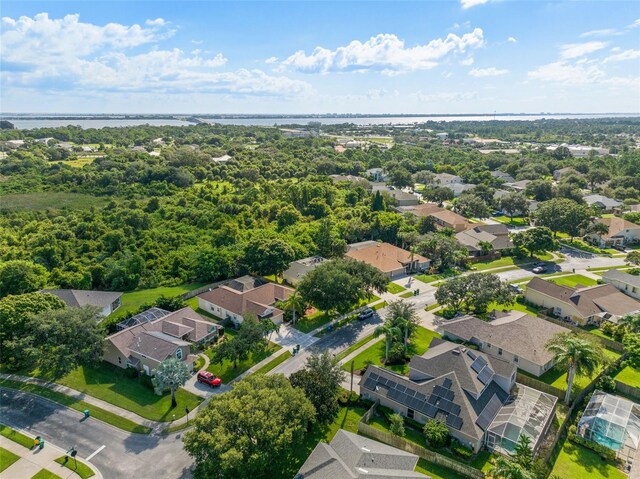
(573, 280)
(353, 347)
(630, 376)
(375, 353)
(320, 318)
(509, 261)
(45, 474)
(227, 372)
(16, 436)
(7, 458)
(575, 461)
(516, 221)
(395, 288)
(80, 468)
(430, 278)
(111, 384)
(132, 301)
(515, 307)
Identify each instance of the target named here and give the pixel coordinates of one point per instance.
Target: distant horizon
(314, 114)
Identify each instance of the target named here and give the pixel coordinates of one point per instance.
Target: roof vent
(363, 471)
(456, 351)
(365, 449)
(464, 350)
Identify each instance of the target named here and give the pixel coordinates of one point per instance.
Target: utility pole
(351, 388)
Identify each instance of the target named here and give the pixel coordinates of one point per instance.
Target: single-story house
(625, 282)
(350, 178)
(350, 456)
(459, 188)
(604, 203)
(621, 232)
(106, 301)
(376, 174)
(496, 235)
(474, 394)
(505, 177)
(403, 198)
(148, 343)
(245, 295)
(446, 179)
(517, 185)
(584, 305)
(443, 218)
(389, 259)
(499, 194)
(299, 268)
(560, 172)
(514, 336)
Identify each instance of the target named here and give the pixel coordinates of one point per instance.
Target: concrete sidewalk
(33, 460)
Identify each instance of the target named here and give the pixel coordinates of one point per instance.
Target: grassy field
(511, 222)
(78, 162)
(395, 288)
(7, 458)
(375, 353)
(132, 301)
(227, 372)
(630, 376)
(50, 200)
(573, 280)
(78, 405)
(274, 362)
(45, 474)
(575, 461)
(110, 383)
(84, 471)
(515, 307)
(16, 436)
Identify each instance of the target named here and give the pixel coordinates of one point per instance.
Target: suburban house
(443, 218)
(446, 179)
(245, 295)
(376, 174)
(505, 177)
(499, 194)
(584, 305)
(560, 172)
(442, 136)
(513, 336)
(298, 269)
(350, 456)
(106, 301)
(621, 232)
(389, 259)
(496, 235)
(517, 186)
(459, 188)
(221, 159)
(351, 179)
(625, 282)
(474, 394)
(403, 198)
(148, 343)
(604, 203)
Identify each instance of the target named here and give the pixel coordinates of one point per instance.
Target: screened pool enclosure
(529, 412)
(612, 422)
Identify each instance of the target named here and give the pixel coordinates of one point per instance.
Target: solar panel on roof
(455, 409)
(489, 412)
(432, 399)
(454, 421)
(485, 375)
(471, 354)
(374, 376)
(401, 388)
(447, 383)
(391, 384)
(430, 410)
(411, 392)
(478, 364)
(421, 396)
(445, 405)
(370, 384)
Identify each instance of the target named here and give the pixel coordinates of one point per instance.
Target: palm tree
(485, 247)
(576, 354)
(631, 322)
(390, 331)
(294, 303)
(404, 317)
(506, 469)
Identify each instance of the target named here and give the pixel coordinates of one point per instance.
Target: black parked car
(365, 314)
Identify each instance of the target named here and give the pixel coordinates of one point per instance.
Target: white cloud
(158, 22)
(384, 52)
(605, 32)
(447, 97)
(635, 24)
(512, 40)
(467, 61)
(472, 3)
(66, 54)
(567, 74)
(623, 56)
(271, 60)
(574, 50)
(487, 72)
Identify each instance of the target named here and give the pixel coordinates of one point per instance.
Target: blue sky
(457, 56)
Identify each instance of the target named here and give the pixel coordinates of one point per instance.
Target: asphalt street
(124, 455)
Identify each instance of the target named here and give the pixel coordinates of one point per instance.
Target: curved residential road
(124, 455)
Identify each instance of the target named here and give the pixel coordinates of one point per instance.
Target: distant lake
(29, 123)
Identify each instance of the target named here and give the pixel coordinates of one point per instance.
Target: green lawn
(353, 347)
(509, 261)
(375, 353)
(78, 467)
(16, 436)
(407, 294)
(320, 318)
(515, 307)
(575, 461)
(110, 383)
(78, 405)
(227, 372)
(45, 474)
(395, 288)
(77, 162)
(573, 280)
(584, 246)
(517, 221)
(50, 200)
(132, 301)
(558, 378)
(7, 458)
(430, 278)
(630, 376)
(436, 471)
(274, 362)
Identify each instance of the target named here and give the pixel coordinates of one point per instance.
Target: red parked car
(205, 377)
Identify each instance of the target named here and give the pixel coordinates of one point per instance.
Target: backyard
(133, 300)
(375, 353)
(630, 376)
(575, 461)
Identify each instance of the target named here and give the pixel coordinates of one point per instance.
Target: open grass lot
(7, 458)
(395, 288)
(78, 162)
(132, 301)
(274, 362)
(16, 436)
(45, 474)
(227, 372)
(375, 352)
(84, 471)
(50, 200)
(110, 383)
(430, 278)
(558, 378)
(630, 376)
(518, 221)
(573, 280)
(575, 461)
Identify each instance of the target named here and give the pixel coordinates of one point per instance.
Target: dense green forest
(181, 216)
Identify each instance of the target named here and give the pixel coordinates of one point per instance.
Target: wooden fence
(540, 386)
(607, 343)
(630, 391)
(202, 289)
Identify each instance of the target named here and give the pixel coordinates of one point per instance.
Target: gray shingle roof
(622, 277)
(350, 456)
(76, 298)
